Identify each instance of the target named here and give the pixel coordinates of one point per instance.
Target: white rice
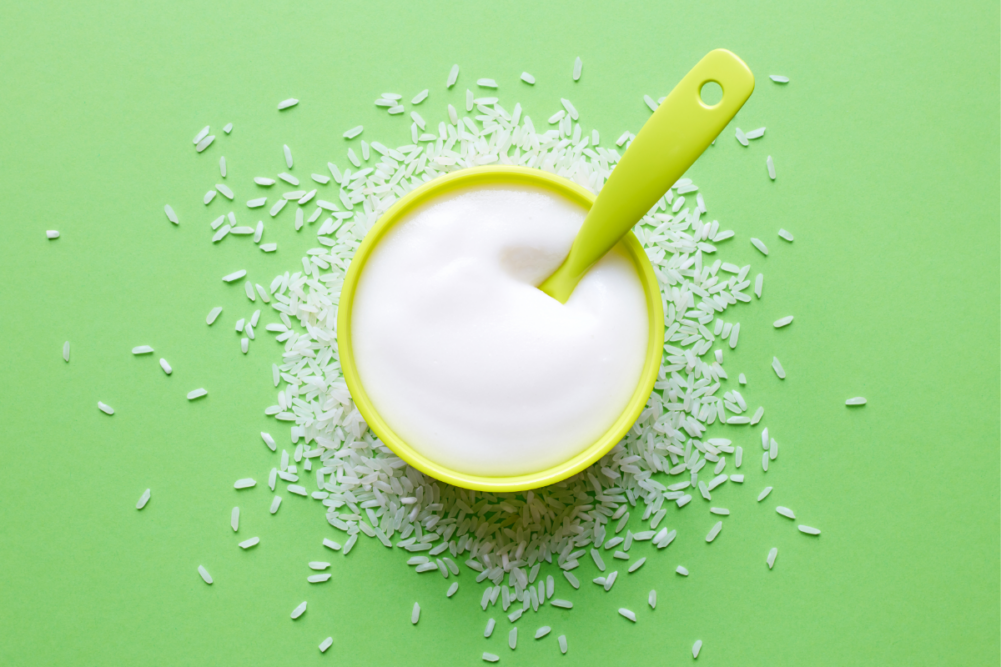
(197, 393)
(542, 632)
(577, 67)
(66, 351)
(858, 400)
(759, 244)
(683, 571)
(714, 531)
(512, 638)
(781, 322)
(105, 408)
(288, 178)
(269, 247)
(786, 235)
(285, 104)
(572, 579)
(415, 615)
(528, 78)
(778, 78)
(244, 483)
(722, 511)
(166, 209)
(325, 644)
(275, 504)
(252, 542)
(227, 128)
(758, 282)
(696, 647)
(764, 493)
(288, 155)
(209, 196)
(637, 565)
(772, 553)
(396, 110)
(453, 76)
(236, 275)
(213, 314)
(737, 479)
(809, 530)
(142, 349)
(764, 461)
(452, 589)
(777, 367)
(165, 366)
(486, 83)
(205, 143)
(649, 101)
(234, 519)
(490, 657)
(770, 164)
(299, 611)
(318, 578)
(352, 133)
(206, 577)
(786, 512)
(201, 135)
(420, 97)
(222, 167)
(143, 499)
(741, 137)
(562, 639)
(53, 234)
(627, 614)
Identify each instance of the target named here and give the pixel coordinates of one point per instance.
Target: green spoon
(670, 142)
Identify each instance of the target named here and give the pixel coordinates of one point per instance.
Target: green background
(886, 144)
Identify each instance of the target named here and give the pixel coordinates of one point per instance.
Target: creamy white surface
(468, 361)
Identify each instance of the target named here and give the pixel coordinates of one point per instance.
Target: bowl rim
(498, 175)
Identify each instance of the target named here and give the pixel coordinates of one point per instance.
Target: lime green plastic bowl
(492, 176)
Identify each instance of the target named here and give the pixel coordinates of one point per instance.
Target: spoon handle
(668, 144)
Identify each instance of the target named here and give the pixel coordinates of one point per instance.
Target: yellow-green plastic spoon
(670, 142)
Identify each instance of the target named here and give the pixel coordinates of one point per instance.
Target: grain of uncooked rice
(299, 611)
(234, 519)
(201, 135)
(252, 542)
(781, 322)
(197, 393)
(205, 143)
(858, 400)
(777, 367)
(222, 167)
(528, 78)
(165, 366)
(572, 579)
(66, 351)
(166, 209)
(577, 67)
(770, 164)
(625, 613)
(778, 78)
(54, 234)
(490, 657)
(105, 408)
(236, 275)
(452, 589)
(764, 493)
(453, 76)
(352, 133)
(696, 647)
(143, 499)
(257, 203)
(415, 615)
(786, 512)
(244, 483)
(637, 565)
(562, 639)
(420, 97)
(786, 235)
(714, 531)
(288, 155)
(758, 282)
(486, 83)
(206, 577)
(755, 134)
(142, 349)
(325, 644)
(285, 104)
(562, 604)
(772, 553)
(213, 314)
(741, 137)
(809, 530)
(759, 244)
(542, 632)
